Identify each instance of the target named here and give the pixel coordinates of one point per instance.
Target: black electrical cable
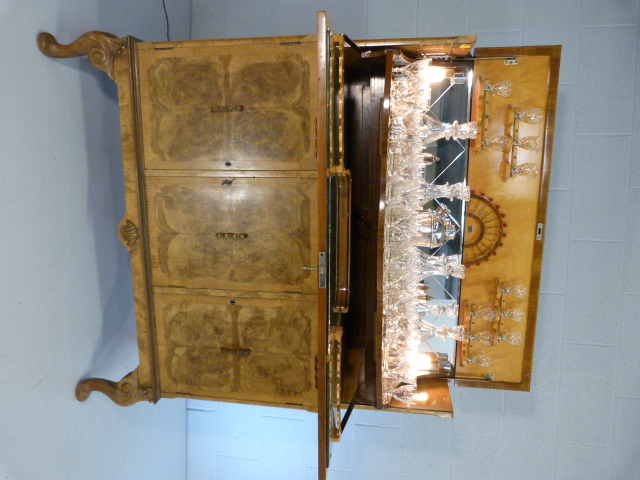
(166, 17)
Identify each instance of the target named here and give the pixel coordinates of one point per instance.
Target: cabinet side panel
(132, 230)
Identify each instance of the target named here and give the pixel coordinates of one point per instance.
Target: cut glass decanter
(529, 143)
(502, 143)
(485, 336)
(486, 313)
(514, 338)
(534, 115)
(481, 359)
(515, 290)
(526, 170)
(502, 89)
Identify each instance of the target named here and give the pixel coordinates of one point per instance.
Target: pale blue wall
(582, 418)
(65, 288)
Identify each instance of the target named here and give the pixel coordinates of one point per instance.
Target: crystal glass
(446, 265)
(435, 227)
(486, 313)
(405, 393)
(529, 143)
(515, 314)
(514, 338)
(405, 149)
(457, 190)
(433, 129)
(534, 115)
(481, 359)
(411, 196)
(414, 122)
(420, 98)
(445, 332)
(526, 170)
(412, 172)
(515, 290)
(502, 143)
(485, 336)
(440, 309)
(502, 89)
(401, 372)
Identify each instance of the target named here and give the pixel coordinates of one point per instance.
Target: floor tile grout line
(201, 409)
(621, 301)
(585, 444)
(483, 435)
(628, 397)
(480, 32)
(603, 134)
(613, 25)
(594, 240)
(590, 344)
(566, 279)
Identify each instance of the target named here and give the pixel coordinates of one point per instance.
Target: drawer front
(244, 349)
(257, 234)
(227, 107)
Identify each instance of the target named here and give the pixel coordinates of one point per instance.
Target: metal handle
(236, 351)
(231, 235)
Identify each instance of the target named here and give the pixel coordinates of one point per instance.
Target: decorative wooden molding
(100, 47)
(128, 233)
(126, 392)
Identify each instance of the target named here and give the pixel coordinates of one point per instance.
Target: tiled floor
(581, 420)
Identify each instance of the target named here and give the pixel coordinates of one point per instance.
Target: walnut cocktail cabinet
(265, 181)
(222, 186)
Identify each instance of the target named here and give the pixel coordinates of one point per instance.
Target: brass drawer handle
(231, 235)
(227, 108)
(236, 351)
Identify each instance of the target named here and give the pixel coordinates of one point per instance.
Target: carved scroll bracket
(126, 392)
(100, 47)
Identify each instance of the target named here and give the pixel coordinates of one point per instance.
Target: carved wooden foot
(126, 392)
(100, 47)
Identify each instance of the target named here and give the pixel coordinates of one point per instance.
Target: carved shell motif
(129, 233)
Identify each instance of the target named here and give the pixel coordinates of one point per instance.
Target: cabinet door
(245, 349)
(225, 106)
(257, 234)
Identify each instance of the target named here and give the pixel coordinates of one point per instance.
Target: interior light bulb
(421, 397)
(422, 362)
(432, 74)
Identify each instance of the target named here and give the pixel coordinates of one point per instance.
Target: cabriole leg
(126, 392)
(100, 47)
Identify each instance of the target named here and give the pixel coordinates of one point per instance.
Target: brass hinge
(316, 358)
(322, 270)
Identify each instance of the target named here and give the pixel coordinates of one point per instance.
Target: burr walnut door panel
(245, 349)
(257, 234)
(230, 106)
